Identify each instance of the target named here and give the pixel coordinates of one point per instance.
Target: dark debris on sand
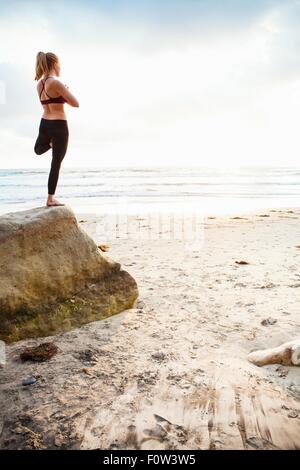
(40, 353)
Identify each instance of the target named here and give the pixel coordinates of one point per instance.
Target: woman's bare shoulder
(39, 85)
(57, 84)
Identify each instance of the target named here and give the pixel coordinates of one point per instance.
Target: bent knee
(38, 150)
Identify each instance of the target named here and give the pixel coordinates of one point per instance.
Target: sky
(181, 82)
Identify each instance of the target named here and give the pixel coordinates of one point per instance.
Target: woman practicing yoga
(53, 130)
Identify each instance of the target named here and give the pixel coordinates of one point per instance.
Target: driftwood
(287, 354)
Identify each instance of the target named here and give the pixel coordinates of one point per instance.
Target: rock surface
(53, 277)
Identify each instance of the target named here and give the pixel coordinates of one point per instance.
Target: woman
(53, 130)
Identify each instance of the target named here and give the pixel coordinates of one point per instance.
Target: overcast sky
(169, 82)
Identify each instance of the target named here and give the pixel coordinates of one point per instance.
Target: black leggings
(56, 130)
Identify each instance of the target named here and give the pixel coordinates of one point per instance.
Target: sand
(172, 372)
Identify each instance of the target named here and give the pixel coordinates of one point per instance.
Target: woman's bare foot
(51, 201)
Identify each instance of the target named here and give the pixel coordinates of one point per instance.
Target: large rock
(53, 277)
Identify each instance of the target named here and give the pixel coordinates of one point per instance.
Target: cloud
(141, 25)
(157, 76)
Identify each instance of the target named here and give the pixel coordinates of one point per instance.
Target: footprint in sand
(165, 432)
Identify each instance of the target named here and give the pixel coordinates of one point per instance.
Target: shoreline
(132, 209)
(172, 372)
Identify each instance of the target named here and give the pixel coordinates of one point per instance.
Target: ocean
(136, 190)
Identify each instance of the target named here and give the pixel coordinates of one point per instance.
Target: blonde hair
(44, 63)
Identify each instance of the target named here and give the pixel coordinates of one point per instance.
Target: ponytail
(44, 63)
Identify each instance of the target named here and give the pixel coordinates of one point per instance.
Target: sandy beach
(172, 372)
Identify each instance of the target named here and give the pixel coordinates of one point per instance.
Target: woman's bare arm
(63, 91)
